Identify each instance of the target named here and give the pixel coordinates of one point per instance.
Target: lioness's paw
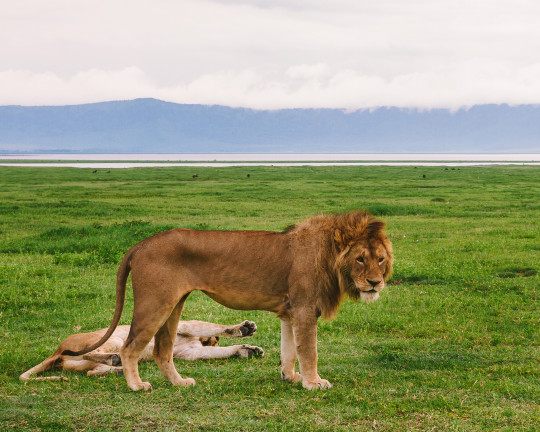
(140, 386)
(246, 351)
(248, 328)
(115, 360)
(317, 384)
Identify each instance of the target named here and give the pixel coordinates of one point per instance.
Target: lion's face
(369, 265)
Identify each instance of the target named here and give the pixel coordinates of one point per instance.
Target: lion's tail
(121, 279)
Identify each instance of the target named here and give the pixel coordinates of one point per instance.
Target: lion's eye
(360, 260)
(381, 260)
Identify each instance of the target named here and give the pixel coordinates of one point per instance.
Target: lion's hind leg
(151, 319)
(137, 340)
(129, 353)
(164, 345)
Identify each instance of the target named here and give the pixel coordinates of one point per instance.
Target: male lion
(301, 273)
(194, 340)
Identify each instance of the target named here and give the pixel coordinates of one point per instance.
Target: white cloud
(27, 88)
(272, 53)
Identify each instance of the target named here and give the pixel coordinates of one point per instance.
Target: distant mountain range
(154, 126)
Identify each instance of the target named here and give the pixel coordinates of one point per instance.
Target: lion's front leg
(305, 337)
(288, 354)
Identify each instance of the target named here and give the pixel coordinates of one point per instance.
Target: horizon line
(464, 107)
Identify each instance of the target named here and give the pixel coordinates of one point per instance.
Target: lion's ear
(339, 239)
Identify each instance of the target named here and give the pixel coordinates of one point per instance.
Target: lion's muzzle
(369, 296)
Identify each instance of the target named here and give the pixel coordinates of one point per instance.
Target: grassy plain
(452, 345)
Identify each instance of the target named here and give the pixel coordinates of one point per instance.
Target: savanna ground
(452, 345)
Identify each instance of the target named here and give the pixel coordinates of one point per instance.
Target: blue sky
(270, 54)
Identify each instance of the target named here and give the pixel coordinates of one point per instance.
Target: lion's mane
(335, 235)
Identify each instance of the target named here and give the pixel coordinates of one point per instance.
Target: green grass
(452, 345)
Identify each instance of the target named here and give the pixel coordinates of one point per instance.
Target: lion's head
(364, 255)
(364, 267)
(355, 258)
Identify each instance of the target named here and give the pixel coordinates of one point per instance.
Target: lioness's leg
(103, 369)
(110, 359)
(305, 337)
(163, 348)
(217, 352)
(206, 329)
(288, 353)
(45, 365)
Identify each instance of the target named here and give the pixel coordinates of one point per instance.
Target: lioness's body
(300, 274)
(194, 340)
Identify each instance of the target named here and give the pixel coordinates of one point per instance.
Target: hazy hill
(153, 126)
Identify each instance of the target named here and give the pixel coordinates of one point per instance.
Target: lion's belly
(246, 300)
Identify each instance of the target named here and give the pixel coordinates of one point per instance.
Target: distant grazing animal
(195, 340)
(300, 274)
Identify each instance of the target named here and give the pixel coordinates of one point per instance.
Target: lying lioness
(300, 274)
(195, 340)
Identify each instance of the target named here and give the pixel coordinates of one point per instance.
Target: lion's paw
(140, 386)
(320, 384)
(185, 382)
(246, 351)
(295, 378)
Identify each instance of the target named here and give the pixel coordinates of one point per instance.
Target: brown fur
(300, 274)
(195, 340)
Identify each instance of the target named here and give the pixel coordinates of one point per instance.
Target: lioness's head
(364, 258)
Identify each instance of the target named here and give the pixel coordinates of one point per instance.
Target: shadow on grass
(514, 272)
(430, 361)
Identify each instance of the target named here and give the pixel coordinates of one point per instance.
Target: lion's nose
(373, 283)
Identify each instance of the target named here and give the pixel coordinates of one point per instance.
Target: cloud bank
(271, 54)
